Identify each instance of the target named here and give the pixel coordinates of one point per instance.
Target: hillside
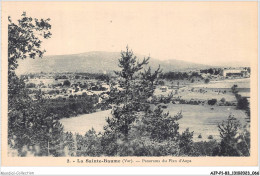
(94, 62)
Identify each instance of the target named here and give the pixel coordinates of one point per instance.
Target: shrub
(186, 143)
(243, 103)
(223, 100)
(66, 83)
(30, 85)
(212, 102)
(206, 81)
(210, 137)
(205, 148)
(228, 131)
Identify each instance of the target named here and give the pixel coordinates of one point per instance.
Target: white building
(236, 72)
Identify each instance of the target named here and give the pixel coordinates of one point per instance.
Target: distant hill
(95, 62)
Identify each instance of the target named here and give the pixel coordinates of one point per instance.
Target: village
(71, 85)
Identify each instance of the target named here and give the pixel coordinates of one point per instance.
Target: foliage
(212, 71)
(134, 95)
(204, 148)
(234, 89)
(160, 126)
(228, 132)
(212, 102)
(31, 128)
(243, 103)
(88, 145)
(186, 143)
(30, 85)
(25, 39)
(66, 83)
(174, 75)
(210, 137)
(223, 100)
(207, 80)
(135, 129)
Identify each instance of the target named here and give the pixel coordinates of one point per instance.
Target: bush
(161, 83)
(66, 83)
(212, 102)
(205, 148)
(210, 137)
(186, 143)
(200, 136)
(30, 85)
(223, 100)
(228, 131)
(206, 81)
(243, 103)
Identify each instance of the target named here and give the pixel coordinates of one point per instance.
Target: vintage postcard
(129, 84)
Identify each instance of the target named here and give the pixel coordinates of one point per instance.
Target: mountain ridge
(96, 62)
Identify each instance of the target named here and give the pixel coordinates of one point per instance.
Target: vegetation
(242, 102)
(233, 143)
(212, 71)
(180, 76)
(135, 128)
(66, 83)
(212, 102)
(31, 128)
(207, 80)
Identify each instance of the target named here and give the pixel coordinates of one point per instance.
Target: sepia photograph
(129, 83)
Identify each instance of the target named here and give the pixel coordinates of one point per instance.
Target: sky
(200, 32)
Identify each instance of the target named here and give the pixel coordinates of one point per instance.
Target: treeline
(65, 108)
(242, 102)
(212, 71)
(73, 105)
(68, 75)
(179, 75)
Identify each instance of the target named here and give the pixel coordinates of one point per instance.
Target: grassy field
(211, 90)
(200, 119)
(203, 119)
(82, 123)
(227, 83)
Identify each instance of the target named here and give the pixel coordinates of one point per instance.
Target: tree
(243, 103)
(234, 89)
(228, 132)
(223, 100)
(66, 83)
(124, 116)
(25, 39)
(135, 129)
(186, 143)
(207, 80)
(132, 100)
(29, 124)
(160, 126)
(212, 102)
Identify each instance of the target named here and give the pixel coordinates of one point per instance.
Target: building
(164, 88)
(235, 72)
